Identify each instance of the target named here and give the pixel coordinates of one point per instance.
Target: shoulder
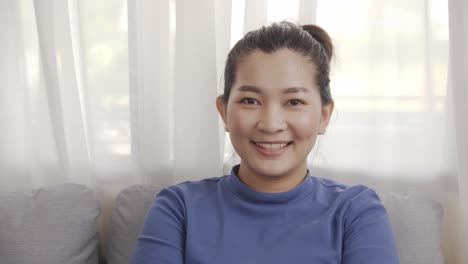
(356, 202)
(366, 229)
(173, 201)
(190, 189)
(353, 195)
(340, 188)
(357, 205)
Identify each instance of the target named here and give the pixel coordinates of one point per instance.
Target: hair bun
(322, 37)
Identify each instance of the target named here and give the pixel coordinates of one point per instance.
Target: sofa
(60, 224)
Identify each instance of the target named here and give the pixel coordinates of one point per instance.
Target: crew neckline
(247, 193)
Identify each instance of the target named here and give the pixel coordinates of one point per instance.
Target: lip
(268, 152)
(271, 142)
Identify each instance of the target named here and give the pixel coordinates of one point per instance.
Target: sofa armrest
(417, 226)
(57, 224)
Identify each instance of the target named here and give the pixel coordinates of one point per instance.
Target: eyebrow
(254, 89)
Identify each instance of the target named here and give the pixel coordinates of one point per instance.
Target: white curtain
(458, 98)
(115, 93)
(393, 127)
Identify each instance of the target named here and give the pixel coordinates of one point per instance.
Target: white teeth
(272, 146)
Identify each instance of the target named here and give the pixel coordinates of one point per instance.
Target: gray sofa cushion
(49, 225)
(416, 222)
(417, 226)
(127, 219)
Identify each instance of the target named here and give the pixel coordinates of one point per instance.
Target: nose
(271, 120)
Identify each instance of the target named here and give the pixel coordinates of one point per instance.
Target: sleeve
(368, 236)
(162, 238)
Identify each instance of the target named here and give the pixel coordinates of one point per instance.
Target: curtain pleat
(458, 91)
(196, 136)
(307, 14)
(151, 90)
(255, 14)
(15, 140)
(66, 107)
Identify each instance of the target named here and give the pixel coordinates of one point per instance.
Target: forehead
(282, 68)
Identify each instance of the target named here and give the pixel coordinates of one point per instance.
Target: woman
(276, 102)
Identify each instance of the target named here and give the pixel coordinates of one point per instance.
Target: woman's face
(274, 113)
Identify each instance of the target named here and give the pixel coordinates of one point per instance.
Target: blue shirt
(222, 220)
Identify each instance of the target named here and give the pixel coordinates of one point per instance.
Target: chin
(270, 169)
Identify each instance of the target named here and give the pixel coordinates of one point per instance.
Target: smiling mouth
(273, 146)
(270, 148)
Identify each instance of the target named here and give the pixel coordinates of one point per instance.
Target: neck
(272, 183)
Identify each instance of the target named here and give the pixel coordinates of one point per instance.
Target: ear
(327, 111)
(222, 110)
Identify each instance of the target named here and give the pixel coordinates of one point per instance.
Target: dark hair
(309, 40)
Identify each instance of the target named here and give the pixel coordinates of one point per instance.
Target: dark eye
(295, 102)
(249, 101)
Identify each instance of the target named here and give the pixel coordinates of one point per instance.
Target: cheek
(306, 126)
(240, 121)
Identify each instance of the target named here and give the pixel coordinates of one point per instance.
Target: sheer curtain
(115, 93)
(458, 98)
(392, 129)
